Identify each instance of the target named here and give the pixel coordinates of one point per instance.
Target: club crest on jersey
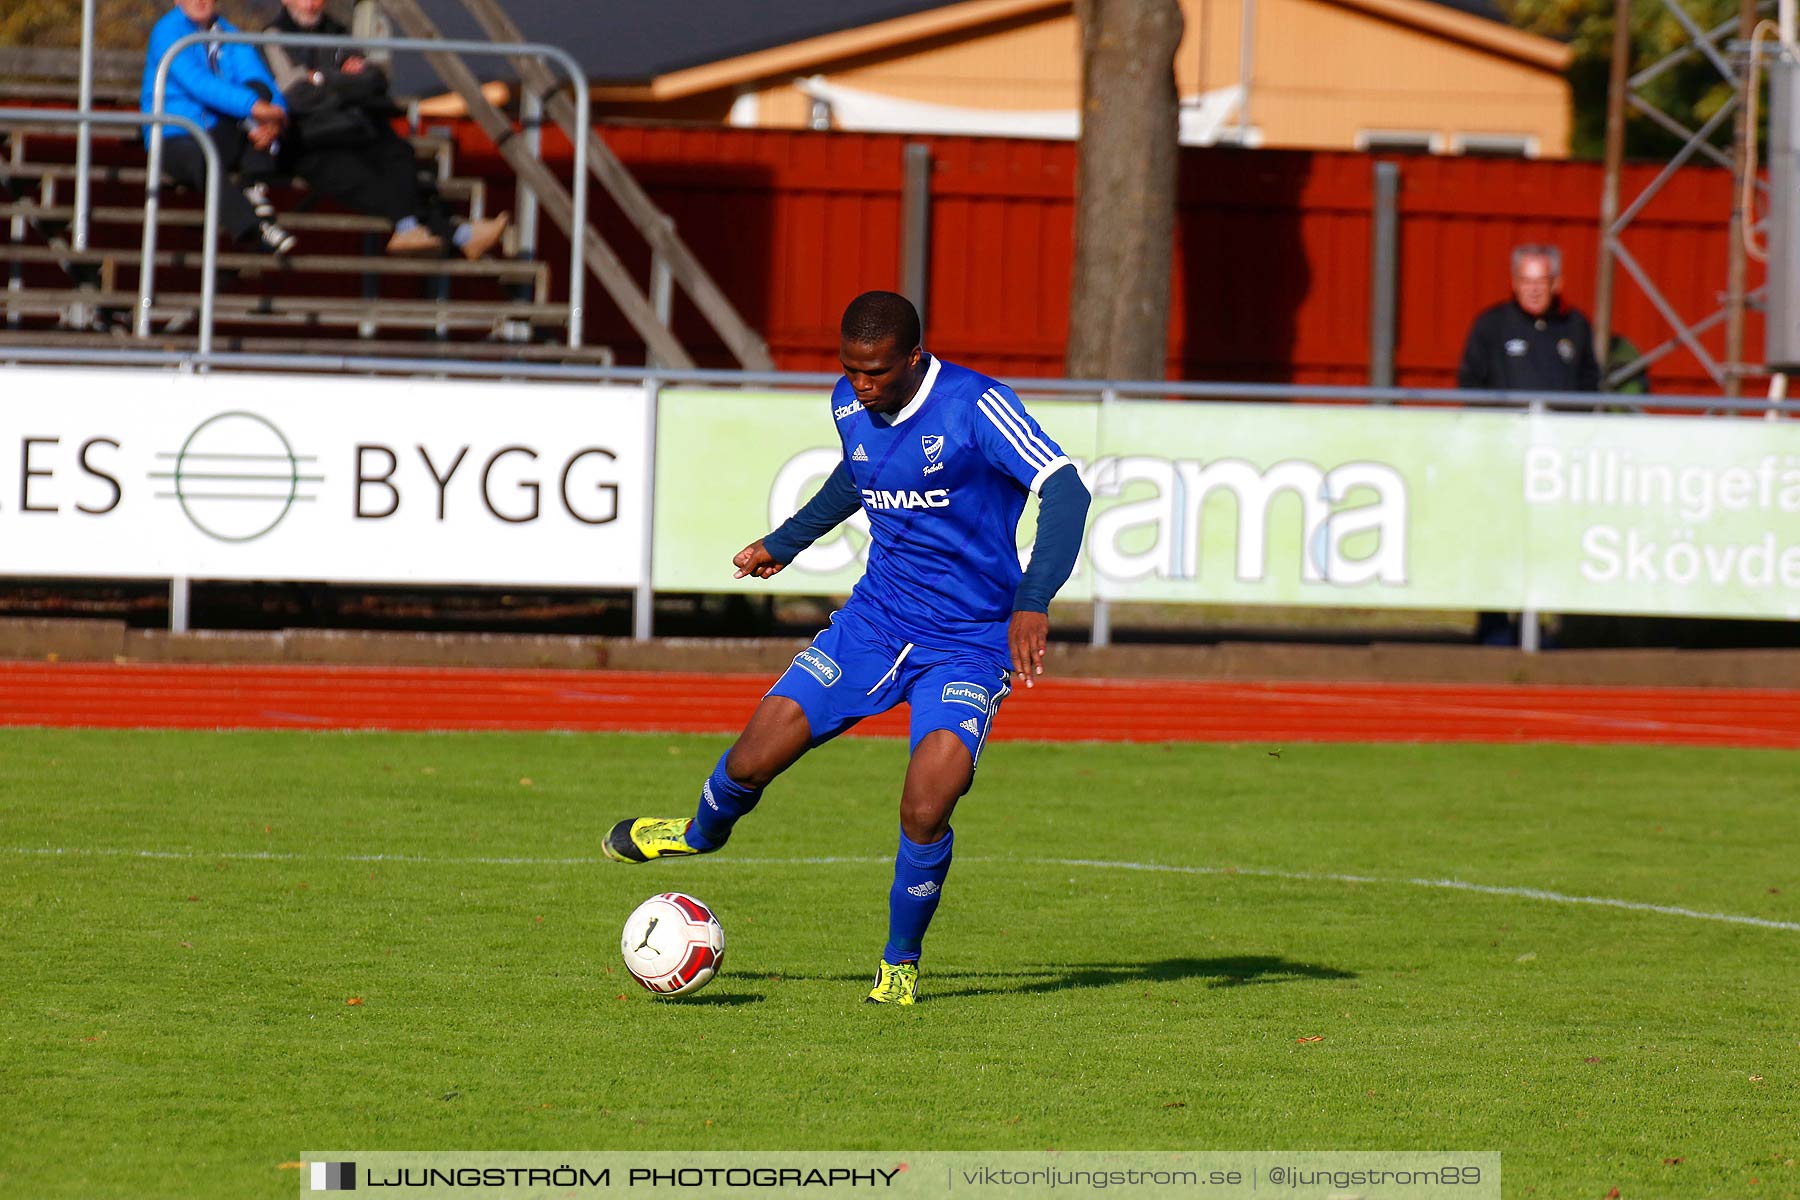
(874, 500)
(818, 664)
(971, 694)
(934, 446)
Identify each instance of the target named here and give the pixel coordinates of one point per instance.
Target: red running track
(134, 696)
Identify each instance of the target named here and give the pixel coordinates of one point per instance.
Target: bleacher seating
(338, 294)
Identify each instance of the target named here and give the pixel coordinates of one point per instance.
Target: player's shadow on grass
(1237, 971)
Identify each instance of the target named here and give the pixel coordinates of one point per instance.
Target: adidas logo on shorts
(859, 454)
(972, 725)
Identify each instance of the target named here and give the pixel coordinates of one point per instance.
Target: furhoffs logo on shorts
(818, 664)
(971, 694)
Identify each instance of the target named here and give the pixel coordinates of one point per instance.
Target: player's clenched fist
(755, 560)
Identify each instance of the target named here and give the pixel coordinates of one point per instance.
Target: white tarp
(1203, 117)
(155, 474)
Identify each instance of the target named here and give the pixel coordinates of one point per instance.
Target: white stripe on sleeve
(1032, 457)
(1052, 467)
(1017, 420)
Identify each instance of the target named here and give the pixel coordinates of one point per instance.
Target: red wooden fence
(1271, 263)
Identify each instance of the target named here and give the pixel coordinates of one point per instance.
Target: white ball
(673, 944)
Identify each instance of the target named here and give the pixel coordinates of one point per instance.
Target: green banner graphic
(1306, 504)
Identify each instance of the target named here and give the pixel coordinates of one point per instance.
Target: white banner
(152, 474)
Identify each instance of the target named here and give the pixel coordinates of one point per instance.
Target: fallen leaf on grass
(1756, 1079)
(525, 782)
(621, 995)
(187, 945)
(1317, 1037)
(289, 1166)
(1613, 1195)
(354, 1001)
(1528, 956)
(193, 897)
(1590, 1058)
(1673, 1162)
(1176, 1104)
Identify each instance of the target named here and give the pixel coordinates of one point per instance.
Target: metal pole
(1101, 632)
(159, 98)
(1530, 639)
(1384, 254)
(643, 602)
(578, 219)
(531, 113)
(1737, 261)
(1246, 67)
(1609, 189)
(178, 604)
(662, 290)
(84, 134)
(915, 226)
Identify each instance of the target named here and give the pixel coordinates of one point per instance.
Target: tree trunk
(1125, 189)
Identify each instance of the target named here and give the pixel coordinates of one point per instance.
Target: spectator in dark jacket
(344, 146)
(1532, 342)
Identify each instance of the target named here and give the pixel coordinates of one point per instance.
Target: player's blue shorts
(854, 670)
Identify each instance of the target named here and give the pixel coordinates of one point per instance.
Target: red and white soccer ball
(673, 944)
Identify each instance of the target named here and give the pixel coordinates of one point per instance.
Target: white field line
(1459, 885)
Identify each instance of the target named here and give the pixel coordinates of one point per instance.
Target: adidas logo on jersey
(859, 454)
(972, 725)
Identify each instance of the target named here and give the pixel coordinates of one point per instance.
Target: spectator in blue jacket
(227, 90)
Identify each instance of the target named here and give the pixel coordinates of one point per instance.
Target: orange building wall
(1324, 71)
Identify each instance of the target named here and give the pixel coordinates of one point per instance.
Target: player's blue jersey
(944, 481)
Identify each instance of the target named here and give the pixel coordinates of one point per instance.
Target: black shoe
(273, 239)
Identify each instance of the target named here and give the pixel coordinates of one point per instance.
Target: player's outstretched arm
(1062, 515)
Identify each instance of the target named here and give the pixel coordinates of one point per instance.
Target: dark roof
(634, 41)
(1476, 8)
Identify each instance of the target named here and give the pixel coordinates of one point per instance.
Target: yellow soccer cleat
(898, 983)
(640, 839)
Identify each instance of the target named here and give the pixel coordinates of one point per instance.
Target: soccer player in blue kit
(941, 458)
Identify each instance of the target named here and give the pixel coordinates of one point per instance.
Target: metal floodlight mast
(1625, 91)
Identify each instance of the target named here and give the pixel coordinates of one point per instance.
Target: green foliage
(185, 918)
(118, 24)
(1690, 92)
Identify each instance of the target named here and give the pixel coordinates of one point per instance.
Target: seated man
(228, 91)
(342, 141)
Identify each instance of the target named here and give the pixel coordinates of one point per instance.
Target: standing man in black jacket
(1532, 342)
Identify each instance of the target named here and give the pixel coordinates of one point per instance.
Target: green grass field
(181, 1024)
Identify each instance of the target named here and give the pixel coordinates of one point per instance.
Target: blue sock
(722, 802)
(919, 873)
